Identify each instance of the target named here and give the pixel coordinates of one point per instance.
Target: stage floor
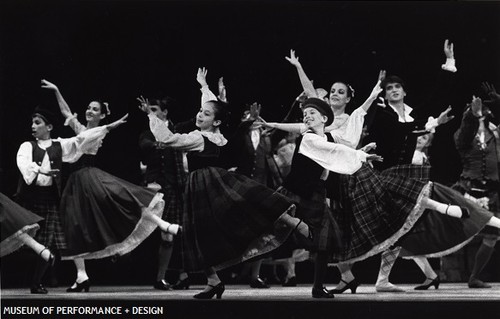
(451, 300)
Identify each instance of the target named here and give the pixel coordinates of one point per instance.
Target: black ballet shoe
(39, 289)
(52, 258)
(478, 284)
(465, 212)
(258, 283)
(322, 293)
(353, 285)
(290, 282)
(80, 286)
(162, 285)
(181, 284)
(217, 290)
(433, 282)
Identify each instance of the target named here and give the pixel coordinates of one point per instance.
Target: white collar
(407, 110)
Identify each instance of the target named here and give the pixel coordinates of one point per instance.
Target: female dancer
(18, 227)
(102, 215)
(228, 218)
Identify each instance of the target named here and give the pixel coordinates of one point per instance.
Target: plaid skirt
(375, 211)
(104, 215)
(14, 221)
(437, 235)
(173, 205)
(317, 215)
(230, 218)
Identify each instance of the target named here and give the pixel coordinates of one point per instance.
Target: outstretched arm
(206, 94)
(307, 84)
(63, 106)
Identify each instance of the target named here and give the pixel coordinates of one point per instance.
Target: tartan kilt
(437, 235)
(45, 203)
(230, 218)
(317, 215)
(173, 205)
(376, 210)
(103, 215)
(14, 221)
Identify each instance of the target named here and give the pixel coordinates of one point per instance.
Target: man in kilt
(40, 163)
(165, 173)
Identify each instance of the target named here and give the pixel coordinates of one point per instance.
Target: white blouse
(331, 156)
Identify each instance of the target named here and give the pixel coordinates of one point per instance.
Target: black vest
(305, 174)
(24, 193)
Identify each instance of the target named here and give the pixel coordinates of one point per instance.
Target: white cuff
(449, 65)
(431, 125)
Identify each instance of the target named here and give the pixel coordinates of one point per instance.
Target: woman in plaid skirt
(228, 218)
(102, 215)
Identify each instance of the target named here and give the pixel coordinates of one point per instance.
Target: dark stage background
(118, 50)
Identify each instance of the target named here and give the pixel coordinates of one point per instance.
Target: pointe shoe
(464, 210)
(290, 282)
(478, 284)
(258, 283)
(353, 285)
(85, 285)
(181, 284)
(39, 289)
(322, 293)
(389, 288)
(216, 290)
(162, 285)
(433, 282)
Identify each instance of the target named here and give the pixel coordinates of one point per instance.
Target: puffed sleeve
(186, 142)
(29, 169)
(350, 134)
(331, 156)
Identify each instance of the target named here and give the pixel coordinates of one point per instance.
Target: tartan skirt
(437, 235)
(173, 205)
(376, 209)
(103, 215)
(14, 221)
(230, 218)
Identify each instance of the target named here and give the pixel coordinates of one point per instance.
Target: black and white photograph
(249, 159)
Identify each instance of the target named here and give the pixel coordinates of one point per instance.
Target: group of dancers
(226, 200)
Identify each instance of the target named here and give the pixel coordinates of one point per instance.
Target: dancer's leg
(386, 263)
(483, 255)
(445, 209)
(164, 256)
(38, 248)
(346, 275)
(165, 226)
(494, 222)
(425, 266)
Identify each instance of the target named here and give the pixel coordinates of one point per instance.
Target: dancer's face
(338, 96)
(313, 118)
(394, 92)
(40, 129)
(205, 119)
(94, 112)
(161, 114)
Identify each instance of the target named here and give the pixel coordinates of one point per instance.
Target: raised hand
(255, 110)
(294, 60)
(443, 118)
(144, 104)
(369, 147)
(201, 76)
(377, 89)
(222, 90)
(448, 49)
(118, 122)
(490, 90)
(48, 85)
(476, 106)
(381, 102)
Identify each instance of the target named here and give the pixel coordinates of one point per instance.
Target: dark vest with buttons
(305, 174)
(481, 164)
(209, 157)
(55, 157)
